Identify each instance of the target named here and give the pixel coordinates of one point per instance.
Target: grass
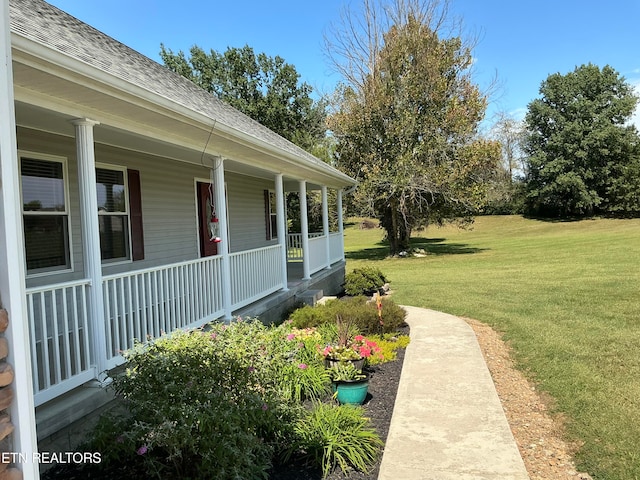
(567, 297)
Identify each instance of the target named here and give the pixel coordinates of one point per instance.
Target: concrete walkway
(448, 421)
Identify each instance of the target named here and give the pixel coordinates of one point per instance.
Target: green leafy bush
(364, 281)
(189, 395)
(222, 399)
(361, 310)
(338, 436)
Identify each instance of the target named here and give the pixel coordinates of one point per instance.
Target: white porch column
(223, 246)
(91, 238)
(282, 227)
(325, 226)
(12, 259)
(340, 222)
(304, 226)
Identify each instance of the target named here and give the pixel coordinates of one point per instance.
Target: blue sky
(520, 42)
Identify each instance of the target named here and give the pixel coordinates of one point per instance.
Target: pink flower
(365, 352)
(358, 338)
(142, 450)
(291, 336)
(303, 366)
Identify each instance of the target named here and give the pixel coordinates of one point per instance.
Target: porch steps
(310, 297)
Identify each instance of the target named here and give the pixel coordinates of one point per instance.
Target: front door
(208, 246)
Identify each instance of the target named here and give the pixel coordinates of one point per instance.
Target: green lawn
(567, 297)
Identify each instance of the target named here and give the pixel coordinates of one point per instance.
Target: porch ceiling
(47, 99)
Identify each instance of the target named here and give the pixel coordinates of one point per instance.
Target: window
(45, 213)
(113, 214)
(271, 218)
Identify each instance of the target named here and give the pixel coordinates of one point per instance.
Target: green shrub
(364, 281)
(221, 400)
(189, 394)
(360, 309)
(338, 436)
(309, 317)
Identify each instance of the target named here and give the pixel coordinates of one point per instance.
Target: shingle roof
(51, 27)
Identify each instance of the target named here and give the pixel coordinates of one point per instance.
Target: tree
(510, 133)
(407, 116)
(265, 88)
(584, 156)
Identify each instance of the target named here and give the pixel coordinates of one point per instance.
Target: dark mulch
(383, 386)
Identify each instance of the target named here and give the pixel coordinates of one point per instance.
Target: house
(143, 203)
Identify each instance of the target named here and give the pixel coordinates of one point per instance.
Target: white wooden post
(282, 230)
(12, 258)
(91, 239)
(340, 223)
(304, 226)
(325, 226)
(223, 246)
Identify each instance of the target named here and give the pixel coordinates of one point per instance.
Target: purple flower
(265, 407)
(251, 369)
(142, 450)
(302, 366)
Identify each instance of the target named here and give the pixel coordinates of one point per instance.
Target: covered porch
(94, 288)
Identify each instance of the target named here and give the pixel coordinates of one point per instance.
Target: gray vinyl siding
(247, 221)
(168, 205)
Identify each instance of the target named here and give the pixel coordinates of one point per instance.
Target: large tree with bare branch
(407, 115)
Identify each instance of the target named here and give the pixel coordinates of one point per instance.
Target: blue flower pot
(351, 392)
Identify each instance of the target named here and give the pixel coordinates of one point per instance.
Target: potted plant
(336, 355)
(350, 385)
(354, 352)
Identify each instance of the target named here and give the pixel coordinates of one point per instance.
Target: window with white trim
(271, 217)
(113, 214)
(45, 214)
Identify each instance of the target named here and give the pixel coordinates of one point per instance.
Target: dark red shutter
(135, 213)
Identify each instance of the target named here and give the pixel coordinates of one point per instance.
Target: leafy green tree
(584, 156)
(265, 88)
(407, 117)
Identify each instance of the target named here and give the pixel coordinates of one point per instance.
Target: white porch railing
(294, 244)
(142, 305)
(60, 338)
(254, 275)
(146, 303)
(336, 243)
(317, 254)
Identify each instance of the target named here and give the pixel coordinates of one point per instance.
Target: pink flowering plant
(359, 347)
(350, 345)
